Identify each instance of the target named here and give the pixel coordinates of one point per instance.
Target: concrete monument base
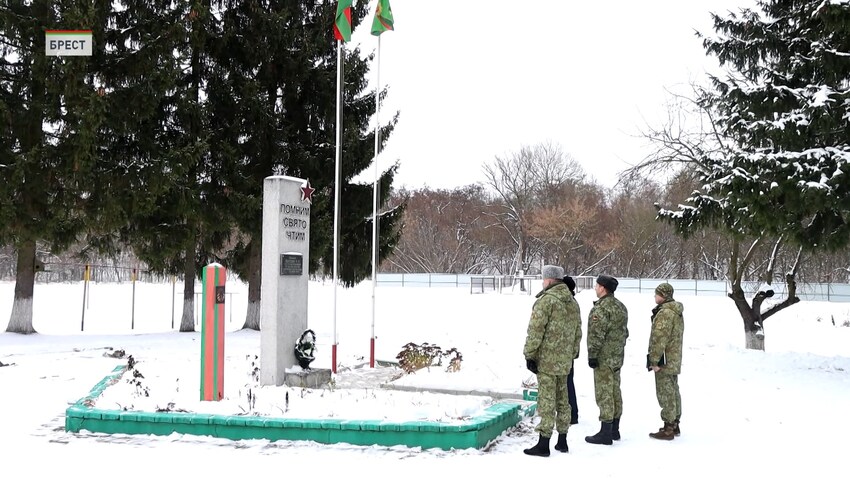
(311, 378)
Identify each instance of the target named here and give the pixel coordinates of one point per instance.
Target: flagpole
(375, 201)
(337, 192)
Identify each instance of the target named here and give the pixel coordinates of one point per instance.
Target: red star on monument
(307, 192)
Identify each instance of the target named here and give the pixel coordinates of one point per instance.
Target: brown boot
(676, 429)
(668, 432)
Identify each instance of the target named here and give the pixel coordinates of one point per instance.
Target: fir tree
(273, 106)
(50, 109)
(175, 218)
(785, 108)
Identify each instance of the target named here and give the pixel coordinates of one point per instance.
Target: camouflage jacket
(607, 331)
(665, 341)
(554, 331)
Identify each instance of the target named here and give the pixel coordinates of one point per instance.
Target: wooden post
(173, 297)
(85, 290)
(133, 301)
(212, 333)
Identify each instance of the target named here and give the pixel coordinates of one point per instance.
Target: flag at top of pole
(383, 18)
(342, 22)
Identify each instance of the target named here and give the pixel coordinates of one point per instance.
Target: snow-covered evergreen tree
(785, 106)
(782, 116)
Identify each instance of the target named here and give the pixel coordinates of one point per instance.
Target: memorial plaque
(291, 264)
(219, 294)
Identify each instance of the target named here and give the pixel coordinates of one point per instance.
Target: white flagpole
(375, 201)
(337, 188)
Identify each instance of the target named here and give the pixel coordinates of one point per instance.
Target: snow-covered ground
(776, 413)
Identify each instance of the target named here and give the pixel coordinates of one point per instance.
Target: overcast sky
(474, 79)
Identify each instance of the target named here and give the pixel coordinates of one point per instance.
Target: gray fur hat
(553, 272)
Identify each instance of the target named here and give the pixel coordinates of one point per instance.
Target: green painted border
(474, 434)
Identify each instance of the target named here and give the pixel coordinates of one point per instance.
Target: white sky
(477, 78)
(742, 409)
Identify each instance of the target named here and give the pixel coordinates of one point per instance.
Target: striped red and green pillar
(212, 333)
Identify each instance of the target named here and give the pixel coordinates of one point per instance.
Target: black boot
(603, 437)
(540, 449)
(615, 429)
(561, 446)
(676, 429)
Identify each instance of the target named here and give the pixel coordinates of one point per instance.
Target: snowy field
(782, 412)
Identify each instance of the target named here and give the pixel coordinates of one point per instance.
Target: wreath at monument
(305, 348)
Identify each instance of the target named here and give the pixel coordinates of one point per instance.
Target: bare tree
(522, 182)
(560, 229)
(573, 226)
(687, 136)
(638, 252)
(442, 232)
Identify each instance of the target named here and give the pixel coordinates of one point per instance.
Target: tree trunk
(753, 330)
(255, 269)
(755, 340)
(21, 319)
(187, 322)
(520, 259)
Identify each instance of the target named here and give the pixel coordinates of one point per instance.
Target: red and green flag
(342, 22)
(383, 18)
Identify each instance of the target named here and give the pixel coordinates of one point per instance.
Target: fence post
(89, 274)
(133, 300)
(173, 297)
(85, 289)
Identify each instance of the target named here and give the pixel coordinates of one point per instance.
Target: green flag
(383, 18)
(342, 23)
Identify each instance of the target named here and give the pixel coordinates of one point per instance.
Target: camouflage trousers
(609, 399)
(553, 405)
(669, 399)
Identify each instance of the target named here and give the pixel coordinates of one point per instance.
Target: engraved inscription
(295, 221)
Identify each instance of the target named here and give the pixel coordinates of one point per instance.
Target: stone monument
(285, 266)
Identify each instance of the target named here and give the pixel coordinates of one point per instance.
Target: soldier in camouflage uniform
(554, 334)
(665, 359)
(571, 387)
(607, 331)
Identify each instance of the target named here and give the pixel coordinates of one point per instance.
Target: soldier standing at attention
(554, 334)
(607, 331)
(571, 387)
(665, 359)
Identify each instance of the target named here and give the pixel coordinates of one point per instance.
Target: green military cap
(664, 290)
